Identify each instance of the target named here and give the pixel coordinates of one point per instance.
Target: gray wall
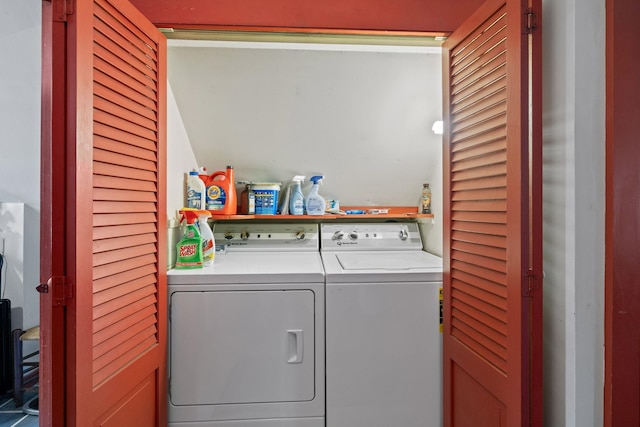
(574, 203)
(20, 158)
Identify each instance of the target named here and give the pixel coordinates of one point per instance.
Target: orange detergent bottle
(221, 193)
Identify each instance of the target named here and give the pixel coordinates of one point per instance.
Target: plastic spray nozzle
(299, 178)
(317, 179)
(190, 214)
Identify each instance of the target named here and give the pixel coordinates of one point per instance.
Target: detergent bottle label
(216, 198)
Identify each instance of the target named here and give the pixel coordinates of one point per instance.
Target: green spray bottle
(189, 248)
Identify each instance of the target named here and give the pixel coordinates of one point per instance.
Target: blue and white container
(266, 197)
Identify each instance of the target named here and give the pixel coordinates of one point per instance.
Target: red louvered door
(492, 217)
(114, 190)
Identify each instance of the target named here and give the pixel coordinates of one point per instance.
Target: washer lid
(388, 261)
(381, 267)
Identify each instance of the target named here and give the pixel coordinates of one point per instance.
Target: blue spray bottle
(296, 200)
(315, 202)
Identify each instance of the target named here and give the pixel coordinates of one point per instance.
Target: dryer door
(242, 347)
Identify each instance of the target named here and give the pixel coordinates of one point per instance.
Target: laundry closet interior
(286, 299)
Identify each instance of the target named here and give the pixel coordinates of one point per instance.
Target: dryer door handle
(295, 345)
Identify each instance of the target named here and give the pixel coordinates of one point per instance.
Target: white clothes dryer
(246, 335)
(383, 340)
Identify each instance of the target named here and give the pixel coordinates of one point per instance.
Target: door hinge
(59, 287)
(533, 283)
(532, 20)
(62, 9)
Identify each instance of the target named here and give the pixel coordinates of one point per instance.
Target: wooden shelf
(394, 212)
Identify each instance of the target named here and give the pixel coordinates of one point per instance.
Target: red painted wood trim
(622, 237)
(400, 15)
(52, 212)
(536, 237)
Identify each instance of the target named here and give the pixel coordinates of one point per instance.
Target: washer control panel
(267, 236)
(370, 236)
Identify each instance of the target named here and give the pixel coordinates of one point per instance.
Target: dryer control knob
(353, 235)
(338, 235)
(300, 235)
(228, 235)
(244, 235)
(403, 234)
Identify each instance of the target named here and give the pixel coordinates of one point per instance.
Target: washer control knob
(403, 234)
(244, 235)
(300, 235)
(338, 235)
(228, 235)
(353, 235)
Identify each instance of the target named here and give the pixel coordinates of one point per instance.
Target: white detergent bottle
(208, 241)
(296, 199)
(315, 202)
(195, 191)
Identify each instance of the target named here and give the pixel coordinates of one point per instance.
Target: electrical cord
(1, 273)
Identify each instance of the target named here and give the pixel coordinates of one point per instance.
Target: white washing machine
(383, 340)
(246, 335)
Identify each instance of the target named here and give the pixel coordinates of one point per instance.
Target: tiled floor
(10, 416)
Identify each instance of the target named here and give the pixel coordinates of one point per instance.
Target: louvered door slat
(498, 289)
(123, 148)
(117, 98)
(106, 270)
(123, 300)
(103, 330)
(123, 113)
(477, 344)
(133, 35)
(468, 99)
(106, 81)
(107, 169)
(125, 349)
(495, 253)
(489, 194)
(123, 195)
(118, 207)
(490, 338)
(124, 125)
(113, 293)
(114, 158)
(141, 83)
(494, 327)
(479, 172)
(104, 245)
(479, 139)
(102, 258)
(126, 315)
(145, 326)
(120, 219)
(133, 69)
(123, 230)
(475, 82)
(120, 135)
(114, 280)
(100, 181)
(486, 63)
(145, 344)
(475, 270)
(486, 262)
(487, 228)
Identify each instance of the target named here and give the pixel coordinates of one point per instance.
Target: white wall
(574, 202)
(180, 157)
(20, 158)
(360, 118)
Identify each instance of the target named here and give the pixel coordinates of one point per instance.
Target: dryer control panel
(267, 236)
(370, 236)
